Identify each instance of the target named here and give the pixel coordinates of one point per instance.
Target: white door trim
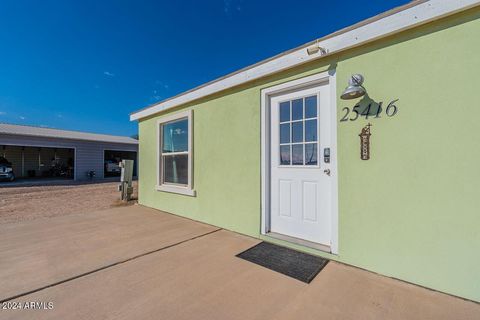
(320, 78)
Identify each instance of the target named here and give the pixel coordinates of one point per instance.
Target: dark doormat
(298, 265)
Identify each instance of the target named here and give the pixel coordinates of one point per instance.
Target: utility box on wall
(126, 177)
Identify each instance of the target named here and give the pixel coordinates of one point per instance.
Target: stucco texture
(411, 211)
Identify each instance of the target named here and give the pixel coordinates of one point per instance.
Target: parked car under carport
(6, 170)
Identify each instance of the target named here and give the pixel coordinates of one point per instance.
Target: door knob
(327, 172)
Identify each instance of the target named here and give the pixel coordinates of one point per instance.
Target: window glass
(285, 133)
(310, 107)
(285, 111)
(175, 169)
(311, 154)
(175, 136)
(285, 155)
(297, 131)
(297, 109)
(297, 154)
(311, 130)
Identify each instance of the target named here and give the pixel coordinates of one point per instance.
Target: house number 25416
(372, 110)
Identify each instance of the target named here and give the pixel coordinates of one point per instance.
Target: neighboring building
(45, 153)
(274, 152)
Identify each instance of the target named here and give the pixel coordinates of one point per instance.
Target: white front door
(300, 181)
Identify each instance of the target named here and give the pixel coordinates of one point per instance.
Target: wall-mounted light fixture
(355, 88)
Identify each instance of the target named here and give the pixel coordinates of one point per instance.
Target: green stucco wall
(412, 211)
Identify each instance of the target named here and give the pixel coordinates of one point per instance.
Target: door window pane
(175, 136)
(285, 155)
(311, 154)
(297, 154)
(285, 133)
(310, 107)
(311, 130)
(285, 111)
(297, 131)
(175, 169)
(297, 109)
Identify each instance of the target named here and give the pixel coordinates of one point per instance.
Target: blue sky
(85, 65)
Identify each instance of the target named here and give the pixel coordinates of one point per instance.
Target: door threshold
(305, 243)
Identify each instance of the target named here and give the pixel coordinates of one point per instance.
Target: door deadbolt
(326, 155)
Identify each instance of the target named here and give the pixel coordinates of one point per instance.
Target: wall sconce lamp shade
(354, 89)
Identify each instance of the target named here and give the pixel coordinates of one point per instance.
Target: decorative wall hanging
(365, 142)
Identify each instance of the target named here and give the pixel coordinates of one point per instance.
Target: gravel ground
(34, 202)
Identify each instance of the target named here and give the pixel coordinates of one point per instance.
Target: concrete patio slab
(45, 251)
(202, 279)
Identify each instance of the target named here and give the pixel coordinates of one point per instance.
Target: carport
(40, 162)
(40, 153)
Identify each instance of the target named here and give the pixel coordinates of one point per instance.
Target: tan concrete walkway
(196, 279)
(42, 252)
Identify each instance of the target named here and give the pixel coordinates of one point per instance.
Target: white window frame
(167, 187)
